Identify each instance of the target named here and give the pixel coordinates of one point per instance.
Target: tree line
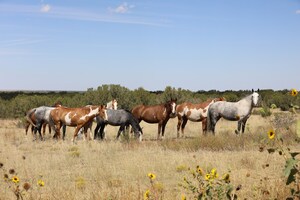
(15, 104)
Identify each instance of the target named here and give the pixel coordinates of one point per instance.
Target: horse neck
(135, 125)
(247, 101)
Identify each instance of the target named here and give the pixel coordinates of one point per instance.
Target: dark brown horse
(194, 113)
(75, 117)
(156, 114)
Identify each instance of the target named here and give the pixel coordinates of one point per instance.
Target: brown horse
(75, 117)
(193, 112)
(156, 114)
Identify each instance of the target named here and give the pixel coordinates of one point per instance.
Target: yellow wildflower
(147, 195)
(207, 177)
(41, 183)
(15, 179)
(294, 92)
(183, 197)
(214, 173)
(151, 176)
(271, 134)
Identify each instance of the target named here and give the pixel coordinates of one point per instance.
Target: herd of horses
(208, 112)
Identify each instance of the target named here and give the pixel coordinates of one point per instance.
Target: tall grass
(118, 169)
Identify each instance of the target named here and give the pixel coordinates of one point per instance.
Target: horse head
(255, 98)
(171, 105)
(103, 112)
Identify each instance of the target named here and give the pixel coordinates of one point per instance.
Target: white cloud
(45, 8)
(298, 12)
(123, 8)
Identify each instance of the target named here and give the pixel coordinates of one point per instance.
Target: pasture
(118, 169)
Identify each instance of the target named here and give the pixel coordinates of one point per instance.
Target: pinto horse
(76, 117)
(194, 113)
(234, 111)
(156, 114)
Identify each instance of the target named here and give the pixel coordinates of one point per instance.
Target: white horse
(234, 111)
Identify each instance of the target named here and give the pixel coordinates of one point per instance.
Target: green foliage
(15, 104)
(265, 111)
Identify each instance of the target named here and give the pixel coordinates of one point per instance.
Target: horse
(156, 114)
(113, 104)
(234, 111)
(122, 118)
(193, 112)
(27, 124)
(75, 117)
(39, 116)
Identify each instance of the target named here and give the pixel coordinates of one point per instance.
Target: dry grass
(118, 169)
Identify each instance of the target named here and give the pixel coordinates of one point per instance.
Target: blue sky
(194, 44)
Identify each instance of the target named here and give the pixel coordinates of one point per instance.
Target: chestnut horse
(156, 114)
(194, 113)
(75, 117)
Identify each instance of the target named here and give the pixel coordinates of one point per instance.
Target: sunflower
(271, 134)
(15, 179)
(213, 173)
(151, 176)
(207, 177)
(294, 92)
(40, 183)
(147, 195)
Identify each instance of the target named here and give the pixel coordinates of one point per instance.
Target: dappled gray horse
(122, 118)
(42, 115)
(234, 111)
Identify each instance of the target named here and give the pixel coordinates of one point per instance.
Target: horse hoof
(237, 132)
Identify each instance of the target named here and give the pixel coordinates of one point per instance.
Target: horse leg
(64, 127)
(163, 130)
(159, 129)
(76, 133)
(238, 128)
(38, 128)
(102, 134)
(179, 125)
(204, 126)
(121, 129)
(183, 125)
(57, 130)
(213, 123)
(96, 133)
(27, 127)
(44, 128)
(244, 125)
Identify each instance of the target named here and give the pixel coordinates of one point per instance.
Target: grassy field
(118, 169)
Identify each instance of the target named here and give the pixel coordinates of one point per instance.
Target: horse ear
(258, 90)
(252, 90)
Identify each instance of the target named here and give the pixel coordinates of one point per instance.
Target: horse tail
(28, 118)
